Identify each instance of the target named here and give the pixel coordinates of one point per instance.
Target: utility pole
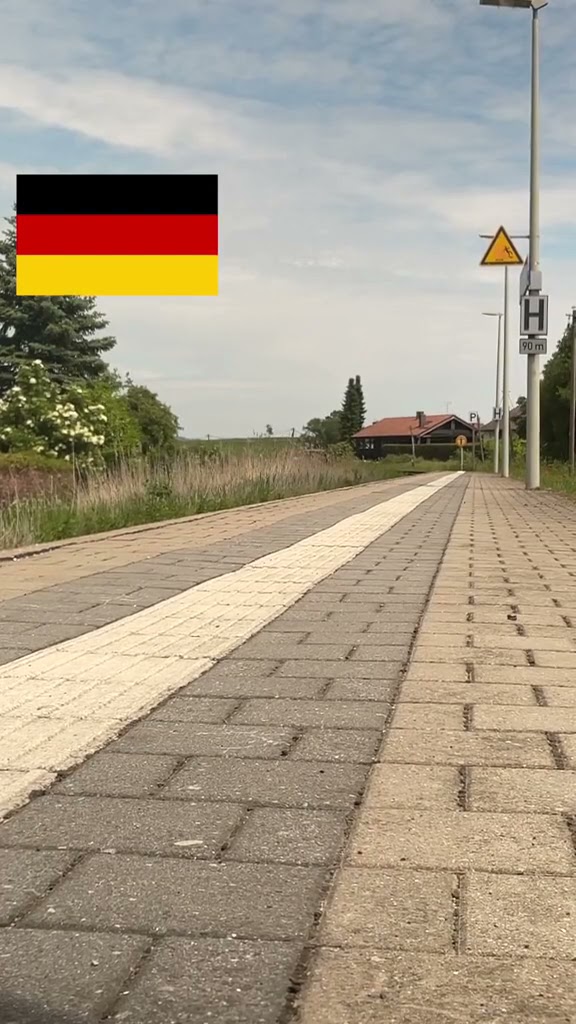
(533, 374)
(573, 390)
(536, 304)
(497, 407)
(505, 387)
(504, 422)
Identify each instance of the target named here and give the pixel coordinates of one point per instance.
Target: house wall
(439, 444)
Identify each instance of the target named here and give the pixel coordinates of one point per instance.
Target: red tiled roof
(403, 426)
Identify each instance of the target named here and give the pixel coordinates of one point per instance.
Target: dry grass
(140, 493)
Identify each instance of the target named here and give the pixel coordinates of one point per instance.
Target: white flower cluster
(37, 415)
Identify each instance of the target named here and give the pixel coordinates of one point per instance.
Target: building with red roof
(411, 432)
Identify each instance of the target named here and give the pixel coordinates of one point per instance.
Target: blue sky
(361, 146)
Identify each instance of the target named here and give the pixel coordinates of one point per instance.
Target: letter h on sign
(534, 316)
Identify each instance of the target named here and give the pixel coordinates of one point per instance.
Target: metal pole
(573, 392)
(497, 403)
(461, 457)
(505, 385)
(533, 370)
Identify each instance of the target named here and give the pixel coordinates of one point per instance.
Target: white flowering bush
(37, 415)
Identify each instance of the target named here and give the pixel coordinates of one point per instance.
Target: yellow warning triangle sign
(501, 252)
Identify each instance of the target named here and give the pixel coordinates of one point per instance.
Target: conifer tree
(63, 332)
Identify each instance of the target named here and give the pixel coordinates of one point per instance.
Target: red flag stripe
(116, 235)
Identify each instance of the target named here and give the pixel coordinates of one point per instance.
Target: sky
(361, 146)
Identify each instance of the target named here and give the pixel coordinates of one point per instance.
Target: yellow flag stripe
(117, 275)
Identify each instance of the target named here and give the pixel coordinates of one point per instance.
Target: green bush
(33, 461)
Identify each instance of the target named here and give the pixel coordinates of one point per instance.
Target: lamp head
(536, 5)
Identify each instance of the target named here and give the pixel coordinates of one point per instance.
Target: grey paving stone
(270, 633)
(63, 977)
(497, 749)
(148, 596)
(213, 740)
(289, 836)
(391, 618)
(14, 631)
(339, 670)
(23, 615)
(297, 614)
(390, 910)
(226, 981)
(237, 671)
(349, 619)
(354, 746)
(45, 599)
(387, 631)
(459, 841)
(8, 654)
(515, 915)
(272, 646)
(392, 653)
(162, 895)
(284, 783)
(319, 600)
(104, 614)
(292, 625)
(143, 826)
(322, 714)
(25, 875)
(370, 603)
(117, 775)
(357, 638)
(349, 986)
(194, 709)
(257, 686)
(361, 689)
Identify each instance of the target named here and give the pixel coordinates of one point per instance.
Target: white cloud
(361, 149)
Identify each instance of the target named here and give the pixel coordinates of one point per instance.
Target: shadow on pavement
(14, 1010)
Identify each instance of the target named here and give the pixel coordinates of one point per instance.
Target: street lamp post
(533, 369)
(497, 406)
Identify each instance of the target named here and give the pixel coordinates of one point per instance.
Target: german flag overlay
(117, 234)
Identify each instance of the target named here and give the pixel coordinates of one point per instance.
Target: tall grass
(554, 476)
(141, 493)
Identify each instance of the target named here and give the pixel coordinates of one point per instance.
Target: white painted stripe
(60, 704)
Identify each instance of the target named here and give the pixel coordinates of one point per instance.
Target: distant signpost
(461, 442)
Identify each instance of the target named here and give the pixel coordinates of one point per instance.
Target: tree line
(339, 427)
(554, 402)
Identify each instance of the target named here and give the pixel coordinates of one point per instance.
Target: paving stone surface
(474, 782)
(198, 846)
(282, 783)
(374, 987)
(25, 875)
(63, 977)
(381, 778)
(390, 910)
(228, 981)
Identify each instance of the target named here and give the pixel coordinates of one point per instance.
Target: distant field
(235, 445)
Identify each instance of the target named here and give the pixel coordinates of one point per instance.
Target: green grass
(554, 476)
(188, 485)
(238, 445)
